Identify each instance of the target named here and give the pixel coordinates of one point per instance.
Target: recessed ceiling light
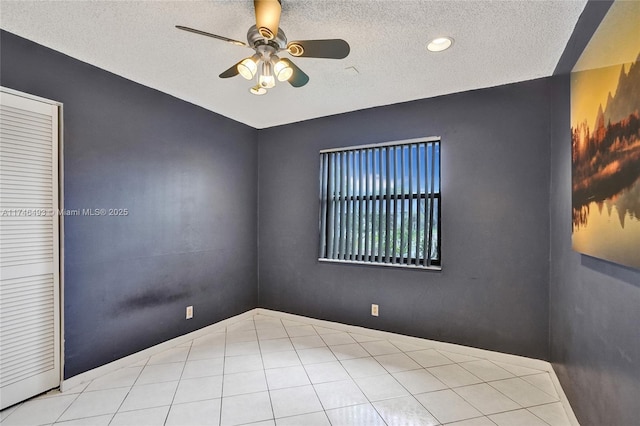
(257, 90)
(439, 44)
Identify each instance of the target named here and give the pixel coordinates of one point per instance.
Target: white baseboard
(87, 376)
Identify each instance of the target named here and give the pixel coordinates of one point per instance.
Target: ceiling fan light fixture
(258, 91)
(248, 67)
(266, 79)
(282, 69)
(439, 44)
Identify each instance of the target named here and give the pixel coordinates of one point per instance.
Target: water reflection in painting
(610, 227)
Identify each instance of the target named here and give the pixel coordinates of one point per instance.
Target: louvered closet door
(29, 254)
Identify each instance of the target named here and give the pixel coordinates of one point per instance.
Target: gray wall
(187, 177)
(492, 292)
(594, 305)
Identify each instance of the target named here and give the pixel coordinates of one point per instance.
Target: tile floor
(272, 371)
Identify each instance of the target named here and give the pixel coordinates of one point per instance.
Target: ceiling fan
(268, 40)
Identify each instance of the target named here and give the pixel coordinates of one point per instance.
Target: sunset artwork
(605, 138)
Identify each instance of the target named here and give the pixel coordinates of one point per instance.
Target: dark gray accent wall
(492, 291)
(187, 177)
(594, 305)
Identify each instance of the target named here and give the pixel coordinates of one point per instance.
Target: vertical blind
(381, 203)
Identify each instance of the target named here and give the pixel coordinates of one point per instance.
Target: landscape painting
(605, 137)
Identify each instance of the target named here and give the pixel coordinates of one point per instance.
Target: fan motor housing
(255, 39)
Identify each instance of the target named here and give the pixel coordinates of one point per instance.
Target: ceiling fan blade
(298, 78)
(268, 17)
(231, 72)
(228, 40)
(331, 49)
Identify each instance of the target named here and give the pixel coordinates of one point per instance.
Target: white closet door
(29, 249)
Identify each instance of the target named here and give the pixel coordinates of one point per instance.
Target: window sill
(392, 265)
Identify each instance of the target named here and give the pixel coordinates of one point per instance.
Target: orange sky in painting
(589, 90)
(616, 42)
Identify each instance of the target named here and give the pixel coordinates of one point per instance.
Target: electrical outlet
(189, 312)
(374, 309)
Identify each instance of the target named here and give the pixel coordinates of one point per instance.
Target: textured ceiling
(496, 42)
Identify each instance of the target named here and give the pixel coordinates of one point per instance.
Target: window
(380, 204)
